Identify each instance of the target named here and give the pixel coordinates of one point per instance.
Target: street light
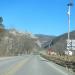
(70, 4)
(69, 12)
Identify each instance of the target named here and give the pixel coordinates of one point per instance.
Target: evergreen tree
(1, 23)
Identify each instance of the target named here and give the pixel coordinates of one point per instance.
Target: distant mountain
(44, 38)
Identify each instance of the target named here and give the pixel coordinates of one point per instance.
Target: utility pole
(69, 44)
(70, 4)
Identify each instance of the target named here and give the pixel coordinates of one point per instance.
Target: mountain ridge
(44, 38)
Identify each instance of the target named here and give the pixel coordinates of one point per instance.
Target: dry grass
(63, 58)
(68, 61)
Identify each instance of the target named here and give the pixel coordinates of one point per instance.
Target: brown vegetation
(65, 61)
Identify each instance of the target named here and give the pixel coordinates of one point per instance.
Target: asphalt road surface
(30, 65)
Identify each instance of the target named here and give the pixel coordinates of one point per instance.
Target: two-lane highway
(30, 65)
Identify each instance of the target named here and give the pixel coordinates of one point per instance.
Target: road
(30, 65)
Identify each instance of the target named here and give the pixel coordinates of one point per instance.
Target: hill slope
(13, 42)
(59, 43)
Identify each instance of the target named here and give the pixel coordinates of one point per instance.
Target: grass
(66, 61)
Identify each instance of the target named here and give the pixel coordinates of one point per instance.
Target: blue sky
(37, 16)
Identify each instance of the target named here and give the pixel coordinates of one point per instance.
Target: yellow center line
(15, 68)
